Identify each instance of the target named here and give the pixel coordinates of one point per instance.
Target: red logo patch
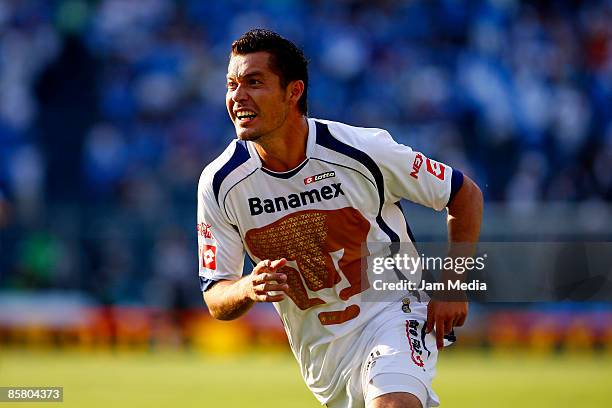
(319, 177)
(416, 166)
(435, 168)
(209, 257)
(204, 230)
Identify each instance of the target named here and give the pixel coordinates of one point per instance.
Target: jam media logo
(209, 257)
(319, 177)
(416, 166)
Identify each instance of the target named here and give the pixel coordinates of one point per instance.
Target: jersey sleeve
(220, 248)
(411, 175)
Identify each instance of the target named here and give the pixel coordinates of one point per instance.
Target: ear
(295, 89)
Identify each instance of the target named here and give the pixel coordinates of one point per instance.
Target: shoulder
(340, 136)
(233, 157)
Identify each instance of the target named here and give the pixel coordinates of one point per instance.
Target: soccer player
(301, 196)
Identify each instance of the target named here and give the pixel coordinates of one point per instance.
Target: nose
(239, 94)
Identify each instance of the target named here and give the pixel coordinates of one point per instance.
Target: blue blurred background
(109, 110)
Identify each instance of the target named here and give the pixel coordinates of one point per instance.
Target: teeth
(245, 114)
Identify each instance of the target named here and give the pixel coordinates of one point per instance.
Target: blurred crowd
(110, 109)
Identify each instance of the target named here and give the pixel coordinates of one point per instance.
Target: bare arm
(465, 213)
(464, 219)
(228, 300)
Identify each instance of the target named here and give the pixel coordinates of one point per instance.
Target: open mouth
(245, 116)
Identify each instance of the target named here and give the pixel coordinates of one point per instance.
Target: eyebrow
(249, 75)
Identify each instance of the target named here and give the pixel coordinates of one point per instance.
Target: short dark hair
(286, 59)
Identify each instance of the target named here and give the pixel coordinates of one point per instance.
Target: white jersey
(317, 216)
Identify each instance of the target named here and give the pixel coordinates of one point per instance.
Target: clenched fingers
(269, 277)
(268, 297)
(268, 266)
(444, 316)
(443, 327)
(278, 263)
(267, 285)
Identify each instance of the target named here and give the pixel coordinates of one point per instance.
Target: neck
(285, 149)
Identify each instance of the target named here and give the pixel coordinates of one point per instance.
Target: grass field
(272, 380)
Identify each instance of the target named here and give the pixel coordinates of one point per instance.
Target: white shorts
(400, 358)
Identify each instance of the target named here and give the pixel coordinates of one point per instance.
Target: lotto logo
(319, 177)
(435, 168)
(209, 257)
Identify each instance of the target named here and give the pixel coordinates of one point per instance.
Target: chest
(262, 199)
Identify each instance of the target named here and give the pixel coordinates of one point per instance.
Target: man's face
(256, 102)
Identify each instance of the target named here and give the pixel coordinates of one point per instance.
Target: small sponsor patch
(406, 305)
(416, 166)
(435, 168)
(416, 349)
(204, 230)
(319, 177)
(209, 257)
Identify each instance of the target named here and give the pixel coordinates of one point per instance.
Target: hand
(264, 279)
(445, 316)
